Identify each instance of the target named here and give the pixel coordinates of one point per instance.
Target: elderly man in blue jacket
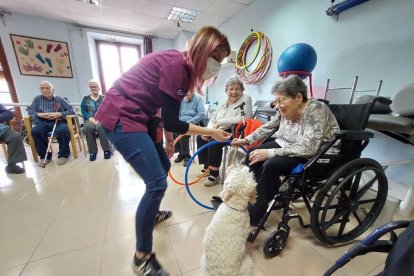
(191, 111)
(14, 142)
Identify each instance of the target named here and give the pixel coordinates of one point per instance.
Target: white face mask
(212, 68)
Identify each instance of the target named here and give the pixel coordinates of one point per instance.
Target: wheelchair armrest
(354, 134)
(382, 100)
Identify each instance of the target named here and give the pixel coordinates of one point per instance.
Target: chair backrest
(351, 117)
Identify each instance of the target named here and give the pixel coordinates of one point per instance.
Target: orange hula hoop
(179, 182)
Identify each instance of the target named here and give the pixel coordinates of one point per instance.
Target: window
(115, 58)
(7, 88)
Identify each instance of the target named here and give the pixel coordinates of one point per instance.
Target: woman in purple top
(159, 81)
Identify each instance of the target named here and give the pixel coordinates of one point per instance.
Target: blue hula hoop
(209, 144)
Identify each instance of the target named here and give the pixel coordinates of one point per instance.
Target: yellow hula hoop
(245, 46)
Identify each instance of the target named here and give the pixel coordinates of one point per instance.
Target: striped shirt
(42, 105)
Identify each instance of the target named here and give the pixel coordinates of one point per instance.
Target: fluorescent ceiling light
(179, 14)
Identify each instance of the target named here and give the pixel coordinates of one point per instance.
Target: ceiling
(144, 17)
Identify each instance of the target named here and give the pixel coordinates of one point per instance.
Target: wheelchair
(399, 249)
(337, 189)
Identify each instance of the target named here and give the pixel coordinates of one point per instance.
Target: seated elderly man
(45, 111)
(14, 142)
(89, 107)
(193, 112)
(301, 127)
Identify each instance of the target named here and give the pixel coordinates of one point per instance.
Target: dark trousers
(40, 136)
(150, 161)
(183, 146)
(210, 156)
(267, 176)
(15, 147)
(90, 129)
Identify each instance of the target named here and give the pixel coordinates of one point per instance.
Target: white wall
(373, 40)
(83, 57)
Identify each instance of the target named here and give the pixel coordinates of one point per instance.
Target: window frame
(118, 45)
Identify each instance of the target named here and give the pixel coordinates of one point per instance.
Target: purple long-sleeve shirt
(161, 72)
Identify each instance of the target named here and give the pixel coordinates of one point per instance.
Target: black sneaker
(14, 169)
(178, 159)
(162, 215)
(150, 267)
(107, 154)
(216, 202)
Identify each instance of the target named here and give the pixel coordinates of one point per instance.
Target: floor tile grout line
(106, 225)
(172, 247)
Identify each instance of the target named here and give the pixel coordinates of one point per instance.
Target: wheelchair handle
(369, 244)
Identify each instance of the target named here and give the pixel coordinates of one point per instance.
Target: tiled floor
(78, 219)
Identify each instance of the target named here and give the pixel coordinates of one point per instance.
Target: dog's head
(239, 186)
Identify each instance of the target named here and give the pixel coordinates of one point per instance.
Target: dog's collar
(233, 208)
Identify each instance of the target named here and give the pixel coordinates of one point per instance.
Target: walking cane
(50, 143)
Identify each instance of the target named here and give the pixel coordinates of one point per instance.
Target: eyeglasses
(280, 100)
(91, 87)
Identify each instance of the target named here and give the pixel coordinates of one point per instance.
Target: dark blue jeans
(40, 136)
(150, 161)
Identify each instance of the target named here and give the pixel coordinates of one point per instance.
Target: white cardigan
(226, 116)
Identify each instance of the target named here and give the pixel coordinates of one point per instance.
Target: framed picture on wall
(42, 57)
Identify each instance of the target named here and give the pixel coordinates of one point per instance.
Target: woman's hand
(206, 138)
(169, 149)
(258, 156)
(239, 142)
(92, 120)
(220, 135)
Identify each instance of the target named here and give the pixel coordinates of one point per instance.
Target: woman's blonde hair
(204, 43)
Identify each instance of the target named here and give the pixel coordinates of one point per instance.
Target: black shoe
(216, 202)
(92, 157)
(107, 154)
(254, 217)
(178, 159)
(162, 215)
(148, 267)
(14, 169)
(185, 163)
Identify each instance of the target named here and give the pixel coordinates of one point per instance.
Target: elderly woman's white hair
(93, 81)
(234, 80)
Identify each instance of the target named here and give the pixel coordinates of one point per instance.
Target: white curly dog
(224, 244)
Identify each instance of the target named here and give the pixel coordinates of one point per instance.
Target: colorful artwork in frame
(42, 57)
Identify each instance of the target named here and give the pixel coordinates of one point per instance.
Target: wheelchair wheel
(345, 207)
(275, 243)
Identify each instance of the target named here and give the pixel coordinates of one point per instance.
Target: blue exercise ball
(298, 57)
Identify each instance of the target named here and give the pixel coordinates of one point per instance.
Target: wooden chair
(73, 131)
(4, 146)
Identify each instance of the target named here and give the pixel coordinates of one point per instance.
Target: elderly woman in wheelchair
(307, 148)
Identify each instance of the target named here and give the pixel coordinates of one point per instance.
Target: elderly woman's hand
(239, 142)
(258, 156)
